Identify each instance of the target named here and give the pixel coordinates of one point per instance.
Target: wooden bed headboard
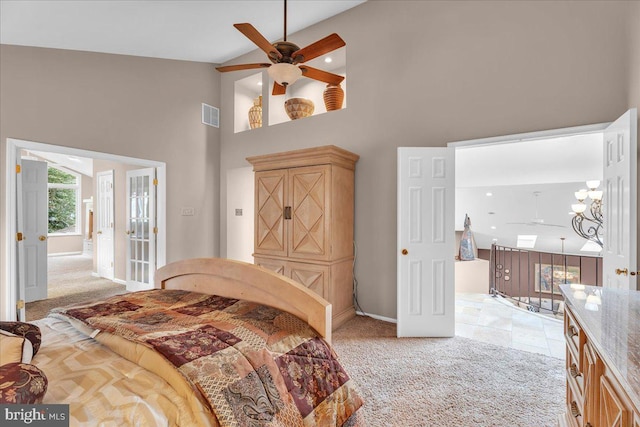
(236, 279)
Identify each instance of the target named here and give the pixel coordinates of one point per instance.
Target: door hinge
(20, 304)
(19, 237)
(18, 168)
(155, 230)
(155, 181)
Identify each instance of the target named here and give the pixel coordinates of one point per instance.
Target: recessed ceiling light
(260, 83)
(493, 227)
(489, 194)
(74, 159)
(328, 59)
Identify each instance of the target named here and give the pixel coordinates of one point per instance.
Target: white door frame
(8, 288)
(547, 134)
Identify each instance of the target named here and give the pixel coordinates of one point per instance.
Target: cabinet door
(270, 201)
(592, 373)
(613, 412)
(274, 265)
(310, 210)
(314, 277)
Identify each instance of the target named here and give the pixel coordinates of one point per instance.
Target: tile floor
(496, 321)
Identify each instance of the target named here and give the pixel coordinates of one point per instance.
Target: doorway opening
(11, 292)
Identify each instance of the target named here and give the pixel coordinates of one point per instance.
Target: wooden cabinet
(594, 397)
(304, 209)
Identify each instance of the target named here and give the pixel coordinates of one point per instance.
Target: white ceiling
(187, 30)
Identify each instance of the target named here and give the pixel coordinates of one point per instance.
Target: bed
(217, 342)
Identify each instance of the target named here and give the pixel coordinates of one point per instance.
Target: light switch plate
(187, 211)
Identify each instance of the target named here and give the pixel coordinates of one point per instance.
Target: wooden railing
(532, 279)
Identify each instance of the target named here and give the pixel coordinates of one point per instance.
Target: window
(64, 201)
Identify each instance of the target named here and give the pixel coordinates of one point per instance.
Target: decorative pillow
(22, 383)
(14, 349)
(27, 330)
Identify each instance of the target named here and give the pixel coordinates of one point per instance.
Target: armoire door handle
(287, 212)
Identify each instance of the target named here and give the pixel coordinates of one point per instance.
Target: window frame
(78, 190)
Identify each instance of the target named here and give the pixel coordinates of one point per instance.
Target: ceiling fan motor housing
(286, 49)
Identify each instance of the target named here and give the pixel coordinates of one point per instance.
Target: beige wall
(138, 107)
(429, 73)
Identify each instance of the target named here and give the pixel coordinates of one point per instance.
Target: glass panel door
(141, 222)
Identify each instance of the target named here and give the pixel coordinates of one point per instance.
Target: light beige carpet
(442, 382)
(70, 282)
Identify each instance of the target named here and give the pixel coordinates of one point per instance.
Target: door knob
(405, 252)
(42, 238)
(623, 271)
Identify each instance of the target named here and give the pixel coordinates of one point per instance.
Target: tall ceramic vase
(255, 113)
(333, 97)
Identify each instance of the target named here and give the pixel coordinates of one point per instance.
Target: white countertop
(611, 320)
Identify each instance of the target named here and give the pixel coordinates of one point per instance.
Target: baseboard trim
(375, 316)
(65, 254)
(120, 281)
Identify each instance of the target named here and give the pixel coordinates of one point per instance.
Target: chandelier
(588, 224)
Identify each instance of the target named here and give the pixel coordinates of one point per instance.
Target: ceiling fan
(536, 220)
(286, 57)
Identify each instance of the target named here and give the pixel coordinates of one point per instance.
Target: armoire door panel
(314, 277)
(270, 227)
(310, 217)
(271, 264)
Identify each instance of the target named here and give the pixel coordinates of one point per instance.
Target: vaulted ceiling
(187, 30)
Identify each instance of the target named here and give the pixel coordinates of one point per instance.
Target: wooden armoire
(304, 203)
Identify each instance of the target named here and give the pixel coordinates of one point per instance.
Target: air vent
(210, 115)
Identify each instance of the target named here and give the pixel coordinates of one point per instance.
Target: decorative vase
(333, 97)
(255, 113)
(298, 108)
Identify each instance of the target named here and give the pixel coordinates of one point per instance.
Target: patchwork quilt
(250, 364)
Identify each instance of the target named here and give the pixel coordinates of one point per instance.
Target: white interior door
(105, 225)
(619, 202)
(34, 177)
(141, 223)
(426, 242)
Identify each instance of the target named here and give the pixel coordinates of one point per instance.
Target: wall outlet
(238, 212)
(187, 211)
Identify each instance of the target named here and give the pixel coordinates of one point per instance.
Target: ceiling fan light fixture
(284, 73)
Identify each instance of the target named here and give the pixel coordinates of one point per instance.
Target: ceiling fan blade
(241, 67)
(278, 89)
(323, 76)
(325, 45)
(254, 35)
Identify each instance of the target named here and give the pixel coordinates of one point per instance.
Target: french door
(141, 228)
